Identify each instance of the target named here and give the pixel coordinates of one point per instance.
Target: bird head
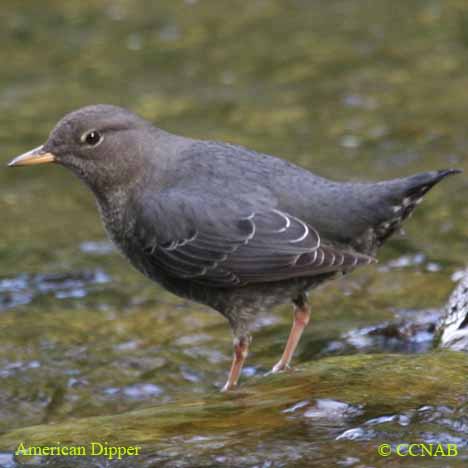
(101, 144)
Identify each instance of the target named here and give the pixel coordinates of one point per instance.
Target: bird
(222, 225)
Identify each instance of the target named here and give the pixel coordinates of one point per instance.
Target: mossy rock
(379, 383)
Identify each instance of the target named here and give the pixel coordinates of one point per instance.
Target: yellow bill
(35, 156)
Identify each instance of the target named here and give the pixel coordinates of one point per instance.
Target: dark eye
(92, 138)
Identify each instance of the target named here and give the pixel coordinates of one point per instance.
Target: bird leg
(301, 319)
(241, 350)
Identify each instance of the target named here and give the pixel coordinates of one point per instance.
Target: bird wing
(201, 240)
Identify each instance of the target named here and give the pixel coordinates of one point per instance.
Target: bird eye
(92, 138)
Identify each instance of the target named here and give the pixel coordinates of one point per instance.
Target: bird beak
(35, 156)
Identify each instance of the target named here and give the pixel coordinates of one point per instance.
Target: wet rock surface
(279, 426)
(349, 89)
(453, 326)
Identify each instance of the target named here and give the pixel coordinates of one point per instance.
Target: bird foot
(279, 367)
(227, 387)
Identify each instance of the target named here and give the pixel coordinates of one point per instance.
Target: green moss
(380, 383)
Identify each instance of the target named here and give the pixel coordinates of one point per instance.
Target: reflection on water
(350, 89)
(22, 289)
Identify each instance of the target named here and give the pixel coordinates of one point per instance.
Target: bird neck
(112, 208)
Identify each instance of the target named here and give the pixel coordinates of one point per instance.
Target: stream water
(90, 350)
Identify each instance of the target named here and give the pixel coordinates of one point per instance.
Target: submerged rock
(453, 327)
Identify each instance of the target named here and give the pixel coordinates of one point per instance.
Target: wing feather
(229, 249)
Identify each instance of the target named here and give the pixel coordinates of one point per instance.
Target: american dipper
(223, 225)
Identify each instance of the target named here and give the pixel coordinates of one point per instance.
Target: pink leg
(301, 319)
(241, 349)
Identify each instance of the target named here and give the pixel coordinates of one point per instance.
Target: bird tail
(404, 195)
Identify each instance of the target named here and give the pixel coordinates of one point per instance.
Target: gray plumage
(223, 225)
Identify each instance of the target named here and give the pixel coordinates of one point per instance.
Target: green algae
(350, 89)
(379, 383)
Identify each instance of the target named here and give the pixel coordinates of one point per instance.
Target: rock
(453, 327)
(374, 385)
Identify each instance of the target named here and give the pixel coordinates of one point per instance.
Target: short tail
(420, 184)
(404, 195)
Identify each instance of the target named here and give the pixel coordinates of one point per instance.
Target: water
(349, 89)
